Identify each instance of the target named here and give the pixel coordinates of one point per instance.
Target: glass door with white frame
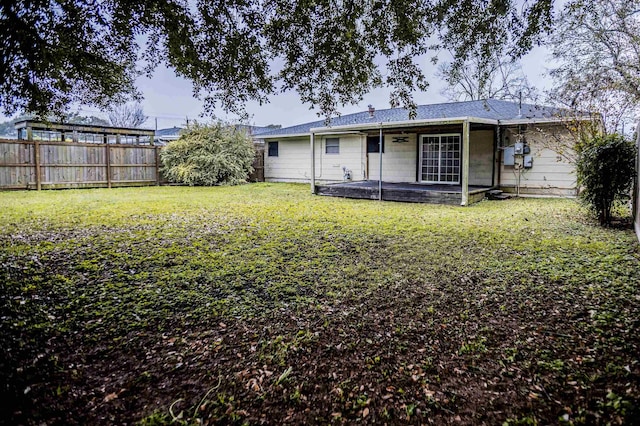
(440, 158)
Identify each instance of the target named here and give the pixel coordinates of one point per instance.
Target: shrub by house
(205, 155)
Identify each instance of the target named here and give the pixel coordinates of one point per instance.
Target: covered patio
(441, 164)
(451, 152)
(405, 192)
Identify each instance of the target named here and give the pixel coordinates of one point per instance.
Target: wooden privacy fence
(258, 164)
(52, 164)
(55, 165)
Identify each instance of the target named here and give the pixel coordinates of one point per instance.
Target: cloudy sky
(169, 99)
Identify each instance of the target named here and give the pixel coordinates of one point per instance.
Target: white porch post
(465, 163)
(313, 163)
(380, 144)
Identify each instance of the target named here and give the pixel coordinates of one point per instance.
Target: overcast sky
(169, 98)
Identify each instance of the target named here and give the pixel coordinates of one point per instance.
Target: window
(332, 146)
(89, 138)
(126, 139)
(273, 149)
(440, 158)
(373, 144)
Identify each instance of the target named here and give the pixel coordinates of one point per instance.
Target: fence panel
(74, 165)
(133, 164)
(17, 167)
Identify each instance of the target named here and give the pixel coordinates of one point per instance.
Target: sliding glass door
(440, 158)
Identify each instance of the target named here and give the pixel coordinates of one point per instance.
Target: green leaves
(606, 168)
(331, 53)
(209, 155)
(227, 304)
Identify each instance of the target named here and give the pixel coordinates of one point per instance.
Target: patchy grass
(262, 303)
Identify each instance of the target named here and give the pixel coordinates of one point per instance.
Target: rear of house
(457, 147)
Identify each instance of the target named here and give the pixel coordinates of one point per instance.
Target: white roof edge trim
(352, 132)
(292, 135)
(354, 128)
(405, 123)
(306, 135)
(545, 120)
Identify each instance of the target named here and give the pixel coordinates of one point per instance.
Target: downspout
(313, 163)
(380, 174)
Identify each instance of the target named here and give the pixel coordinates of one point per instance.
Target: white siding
(399, 161)
(293, 163)
(551, 173)
(329, 167)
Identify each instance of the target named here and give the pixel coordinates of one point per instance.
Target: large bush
(205, 155)
(606, 168)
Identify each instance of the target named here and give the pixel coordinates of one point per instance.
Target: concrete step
(496, 194)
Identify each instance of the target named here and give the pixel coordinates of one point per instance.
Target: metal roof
(86, 128)
(169, 132)
(490, 109)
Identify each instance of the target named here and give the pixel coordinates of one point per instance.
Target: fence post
(156, 149)
(107, 152)
(36, 155)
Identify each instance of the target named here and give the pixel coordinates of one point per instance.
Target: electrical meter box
(518, 148)
(508, 158)
(528, 161)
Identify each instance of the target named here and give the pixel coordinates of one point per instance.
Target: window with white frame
(332, 146)
(440, 157)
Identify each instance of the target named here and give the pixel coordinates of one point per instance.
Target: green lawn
(263, 303)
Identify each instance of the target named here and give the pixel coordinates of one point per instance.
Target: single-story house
(448, 153)
(164, 136)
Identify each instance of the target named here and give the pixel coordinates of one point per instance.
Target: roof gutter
(360, 127)
(283, 135)
(538, 120)
(405, 123)
(303, 135)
